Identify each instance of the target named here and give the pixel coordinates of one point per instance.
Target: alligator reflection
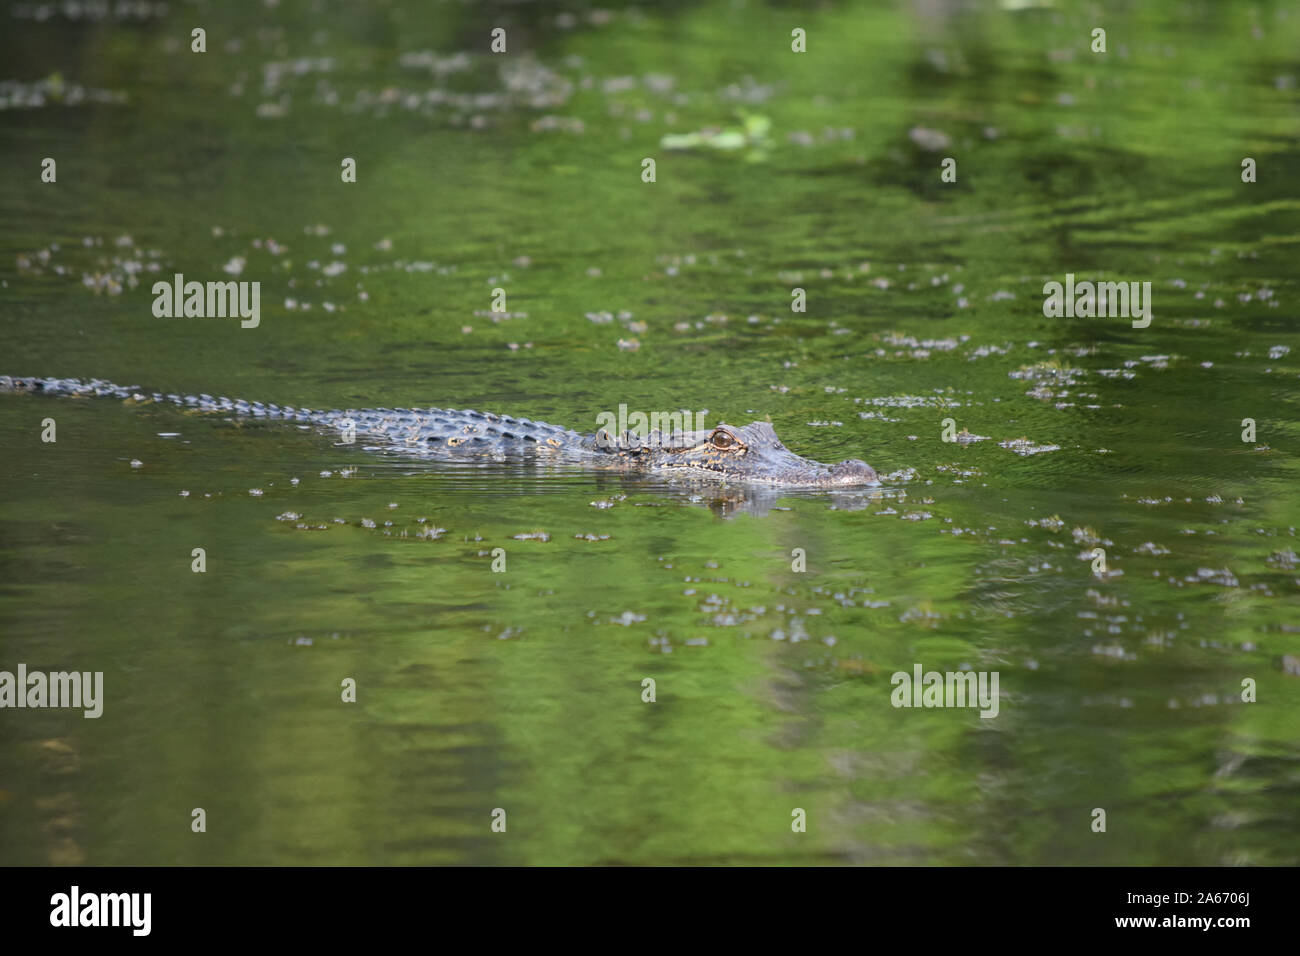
(725, 498)
(730, 499)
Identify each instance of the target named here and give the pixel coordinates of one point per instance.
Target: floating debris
(1025, 447)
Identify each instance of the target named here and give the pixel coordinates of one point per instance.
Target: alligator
(745, 453)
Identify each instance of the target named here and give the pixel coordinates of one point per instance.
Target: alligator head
(740, 453)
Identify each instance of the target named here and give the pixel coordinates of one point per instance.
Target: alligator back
(456, 433)
(426, 432)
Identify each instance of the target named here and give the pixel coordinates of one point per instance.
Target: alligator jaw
(851, 473)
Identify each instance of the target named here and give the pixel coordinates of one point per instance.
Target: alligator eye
(723, 440)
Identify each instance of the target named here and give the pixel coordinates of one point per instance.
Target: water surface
(522, 690)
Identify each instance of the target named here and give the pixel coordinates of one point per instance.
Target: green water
(522, 689)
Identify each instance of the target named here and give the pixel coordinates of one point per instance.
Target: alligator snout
(853, 471)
